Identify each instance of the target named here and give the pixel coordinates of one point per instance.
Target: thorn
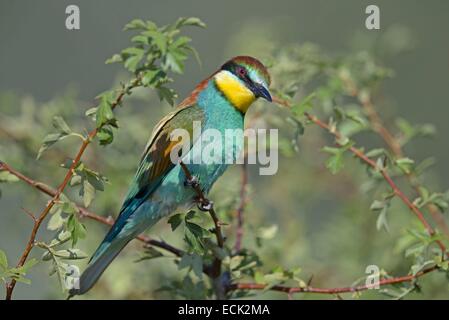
(29, 214)
(309, 282)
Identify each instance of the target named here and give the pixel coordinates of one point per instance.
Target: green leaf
(6, 176)
(382, 208)
(192, 21)
(166, 94)
(49, 140)
(190, 215)
(405, 164)
(133, 51)
(135, 25)
(197, 230)
(159, 39)
(56, 221)
(150, 77)
(77, 230)
(304, 106)
(61, 125)
(87, 192)
(28, 265)
(105, 135)
(132, 63)
(335, 162)
(382, 221)
(104, 112)
(3, 260)
(375, 152)
(197, 265)
(115, 58)
(150, 253)
(71, 254)
(60, 239)
(175, 221)
(140, 39)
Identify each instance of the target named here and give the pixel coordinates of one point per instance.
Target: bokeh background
(43, 66)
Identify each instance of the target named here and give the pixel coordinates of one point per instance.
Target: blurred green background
(39, 58)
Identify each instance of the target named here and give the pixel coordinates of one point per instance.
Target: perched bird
(157, 190)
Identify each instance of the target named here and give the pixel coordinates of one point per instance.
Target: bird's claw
(205, 205)
(191, 182)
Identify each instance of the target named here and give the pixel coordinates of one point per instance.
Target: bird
(158, 188)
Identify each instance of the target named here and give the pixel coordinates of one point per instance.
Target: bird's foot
(191, 182)
(205, 205)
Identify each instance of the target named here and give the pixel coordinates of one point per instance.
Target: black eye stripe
(235, 69)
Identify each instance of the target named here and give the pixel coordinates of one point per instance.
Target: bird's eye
(241, 71)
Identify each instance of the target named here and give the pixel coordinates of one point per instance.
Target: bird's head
(242, 80)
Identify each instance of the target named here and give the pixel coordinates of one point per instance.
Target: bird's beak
(262, 92)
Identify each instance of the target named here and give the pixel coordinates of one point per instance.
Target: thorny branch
(393, 144)
(41, 217)
(309, 289)
(241, 207)
(361, 155)
(206, 205)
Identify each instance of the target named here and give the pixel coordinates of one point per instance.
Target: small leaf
(88, 193)
(192, 21)
(150, 253)
(382, 221)
(56, 221)
(104, 113)
(166, 94)
(49, 140)
(115, 58)
(175, 221)
(405, 164)
(105, 135)
(61, 125)
(135, 24)
(375, 153)
(3, 260)
(304, 106)
(77, 230)
(335, 162)
(71, 254)
(159, 39)
(6, 176)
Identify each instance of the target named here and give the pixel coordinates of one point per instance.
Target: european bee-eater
(157, 190)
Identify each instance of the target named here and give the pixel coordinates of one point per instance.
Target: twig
(206, 203)
(29, 246)
(308, 289)
(241, 207)
(359, 154)
(393, 144)
(215, 270)
(85, 213)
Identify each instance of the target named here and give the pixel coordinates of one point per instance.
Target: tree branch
(29, 246)
(207, 205)
(393, 144)
(241, 207)
(85, 213)
(308, 289)
(359, 154)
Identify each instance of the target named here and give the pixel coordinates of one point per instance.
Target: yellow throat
(234, 90)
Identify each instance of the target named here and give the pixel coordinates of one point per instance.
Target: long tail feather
(100, 261)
